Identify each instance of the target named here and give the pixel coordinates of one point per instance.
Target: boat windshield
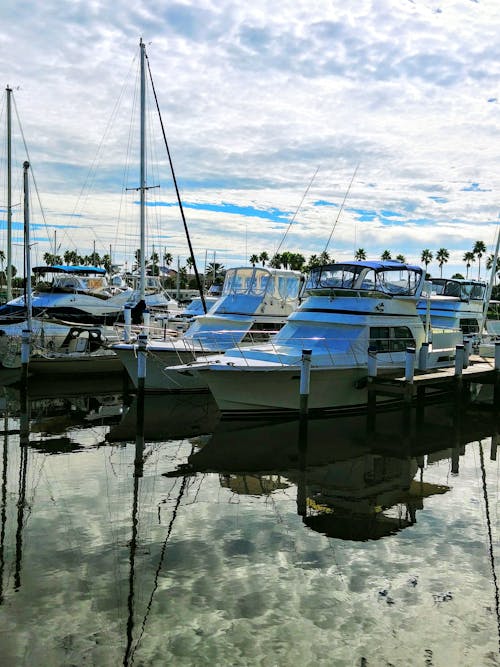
(463, 289)
(401, 281)
(246, 280)
(74, 282)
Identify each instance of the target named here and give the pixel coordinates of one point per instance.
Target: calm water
(243, 544)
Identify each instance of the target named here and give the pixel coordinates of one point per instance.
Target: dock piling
(305, 381)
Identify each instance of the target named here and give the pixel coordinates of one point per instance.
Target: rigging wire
(341, 208)
(195, 268)
(297, 211)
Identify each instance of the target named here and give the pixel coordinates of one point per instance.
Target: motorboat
(181, 321)
(349, 309)
(75, 294)
(254, 305)
(454, 303)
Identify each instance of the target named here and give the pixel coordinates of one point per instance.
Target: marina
(243, 542)
(250, 406)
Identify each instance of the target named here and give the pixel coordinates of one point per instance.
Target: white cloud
(254, 100)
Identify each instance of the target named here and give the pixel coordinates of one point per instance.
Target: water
(244, 544)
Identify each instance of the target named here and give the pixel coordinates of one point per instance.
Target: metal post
(305, 380)
(9, 195)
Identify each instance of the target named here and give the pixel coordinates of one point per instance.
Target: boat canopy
(462, 288)
(79, 270)
(257, 281)
(391, 278)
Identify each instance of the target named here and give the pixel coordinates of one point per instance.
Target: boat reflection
(349, 484)
(167, 417)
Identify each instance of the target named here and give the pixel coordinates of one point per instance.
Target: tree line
(297, 261)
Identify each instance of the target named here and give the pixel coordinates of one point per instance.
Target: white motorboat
(350, 307)
(454, 303)
(75, 294)
(181, 321)
(254, 305)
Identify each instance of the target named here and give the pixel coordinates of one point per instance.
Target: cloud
(253, 101)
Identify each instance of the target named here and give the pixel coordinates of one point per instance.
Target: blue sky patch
(474, 187)
(439, 200)
(273, 214)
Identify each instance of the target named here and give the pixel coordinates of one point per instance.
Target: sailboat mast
(27, 250)
(9, 195)
(142, 275)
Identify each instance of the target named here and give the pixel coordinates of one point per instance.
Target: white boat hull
(158, 376)
(239, 391)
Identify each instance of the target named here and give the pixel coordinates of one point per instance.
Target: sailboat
(68, 322)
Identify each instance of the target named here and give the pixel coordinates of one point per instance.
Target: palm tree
(285, 259)
(190, 264)
(264, 257)
(312, 262)
(167, 258)
(386, 255)
(489, 264)
(297, 261)
(275, 262)
(254, 259)
(401, 258)
(324, 258)
(479, 249)
(106, 262)
(426, 257)
(215, 270)
(442, 257)
(360, 254)
(468, 258)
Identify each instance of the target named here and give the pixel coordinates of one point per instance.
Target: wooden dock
(416, 389)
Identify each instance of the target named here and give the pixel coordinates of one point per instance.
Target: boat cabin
(72, 279)
(366, 279)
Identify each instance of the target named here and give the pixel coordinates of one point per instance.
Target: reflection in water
(349, 485)
(288, 536)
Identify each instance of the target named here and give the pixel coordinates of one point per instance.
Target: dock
(416, 388)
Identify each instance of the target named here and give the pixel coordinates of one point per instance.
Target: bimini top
(366, 277)
(60, 268)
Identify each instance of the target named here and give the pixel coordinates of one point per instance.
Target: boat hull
(158, 377)
(253, 392)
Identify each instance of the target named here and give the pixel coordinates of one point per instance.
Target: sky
(302, 126)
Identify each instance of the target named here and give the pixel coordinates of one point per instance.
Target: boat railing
(327, 351)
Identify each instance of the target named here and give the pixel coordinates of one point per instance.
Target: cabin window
(469, 325)
(391, 339)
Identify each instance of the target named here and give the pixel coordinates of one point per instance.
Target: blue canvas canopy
(60, 268)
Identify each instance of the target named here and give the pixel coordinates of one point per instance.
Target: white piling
(127, 329)
(467, 351)
(372, 362)
(305, 380)
(409, 364)
(497, 355)
(423, 356)
(142, 340)
(25, 354)
(146, 320)
(459, 359)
